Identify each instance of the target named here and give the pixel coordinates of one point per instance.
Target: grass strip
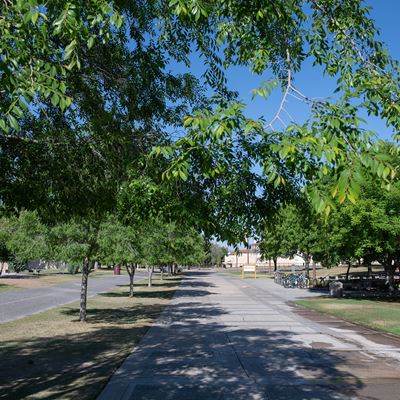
(51, 355)
(379, 314)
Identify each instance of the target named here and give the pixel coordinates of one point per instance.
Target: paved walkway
(224, 338)
(20, 303)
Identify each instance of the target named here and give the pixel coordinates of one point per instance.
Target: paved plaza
(225, 338)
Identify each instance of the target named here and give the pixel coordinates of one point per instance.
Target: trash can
(117, 270)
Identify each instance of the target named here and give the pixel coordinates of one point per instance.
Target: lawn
(50, 277)
(378, 314)
(340, 270)
(53, 356)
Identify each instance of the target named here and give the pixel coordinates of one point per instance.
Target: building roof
(244, 251)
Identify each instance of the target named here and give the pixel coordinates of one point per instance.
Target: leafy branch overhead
(41, 43)
(276, 37)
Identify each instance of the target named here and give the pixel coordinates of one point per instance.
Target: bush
(17, 266)
(73, 268)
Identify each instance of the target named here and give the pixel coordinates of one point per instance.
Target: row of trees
(153, 244)
(366, 230)
(87, 92)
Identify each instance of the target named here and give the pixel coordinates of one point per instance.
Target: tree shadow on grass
(159, 294)
(75, 365)
(63, 366)
(118, 316)
(373, 296)
(165, 284)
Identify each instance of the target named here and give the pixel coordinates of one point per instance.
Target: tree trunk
(348, 270)
(275, 264)
(307, 265)
(314, 272)
(390, 277)
(2, 267)
(131, 269)
(150, 278)
(84, 285)
(162, 272)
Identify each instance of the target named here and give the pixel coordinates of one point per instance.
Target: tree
(85, 94)
(216, 254)
(76, 242)
(119, 244)
(190, 247)
(296, 230)
(123, 101)
(25, 238)
(369, 229)
(261, 163)
(5, 255)
(272, 242)
(170, 244)
(41, 44)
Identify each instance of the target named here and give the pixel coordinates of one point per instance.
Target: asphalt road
(20, 303)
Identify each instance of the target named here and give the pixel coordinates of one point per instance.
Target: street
(20, 303)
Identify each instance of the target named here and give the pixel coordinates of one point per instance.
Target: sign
(249, 268)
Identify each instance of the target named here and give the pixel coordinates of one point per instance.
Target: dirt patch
(24, 283)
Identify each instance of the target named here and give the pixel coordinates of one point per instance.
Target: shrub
(73, 268)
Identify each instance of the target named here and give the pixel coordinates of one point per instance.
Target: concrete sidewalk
(225, 338)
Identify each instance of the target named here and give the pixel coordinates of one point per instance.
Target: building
(252, 256)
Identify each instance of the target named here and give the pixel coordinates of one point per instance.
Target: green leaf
(90, 42)
(13, 122)
(63, 104)
(34, 17)
(69, 49)
(55, 99)
(284, 151)
(3, 125)
(183, 175)
(17, 111)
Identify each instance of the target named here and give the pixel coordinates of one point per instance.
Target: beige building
(252, 256)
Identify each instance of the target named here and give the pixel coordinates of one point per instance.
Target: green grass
(377, 314)
(52, 355)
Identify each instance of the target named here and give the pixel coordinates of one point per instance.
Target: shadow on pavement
(188, 354)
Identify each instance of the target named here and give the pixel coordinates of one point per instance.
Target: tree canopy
(88, 91)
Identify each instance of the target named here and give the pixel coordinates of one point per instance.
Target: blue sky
(310, 80)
